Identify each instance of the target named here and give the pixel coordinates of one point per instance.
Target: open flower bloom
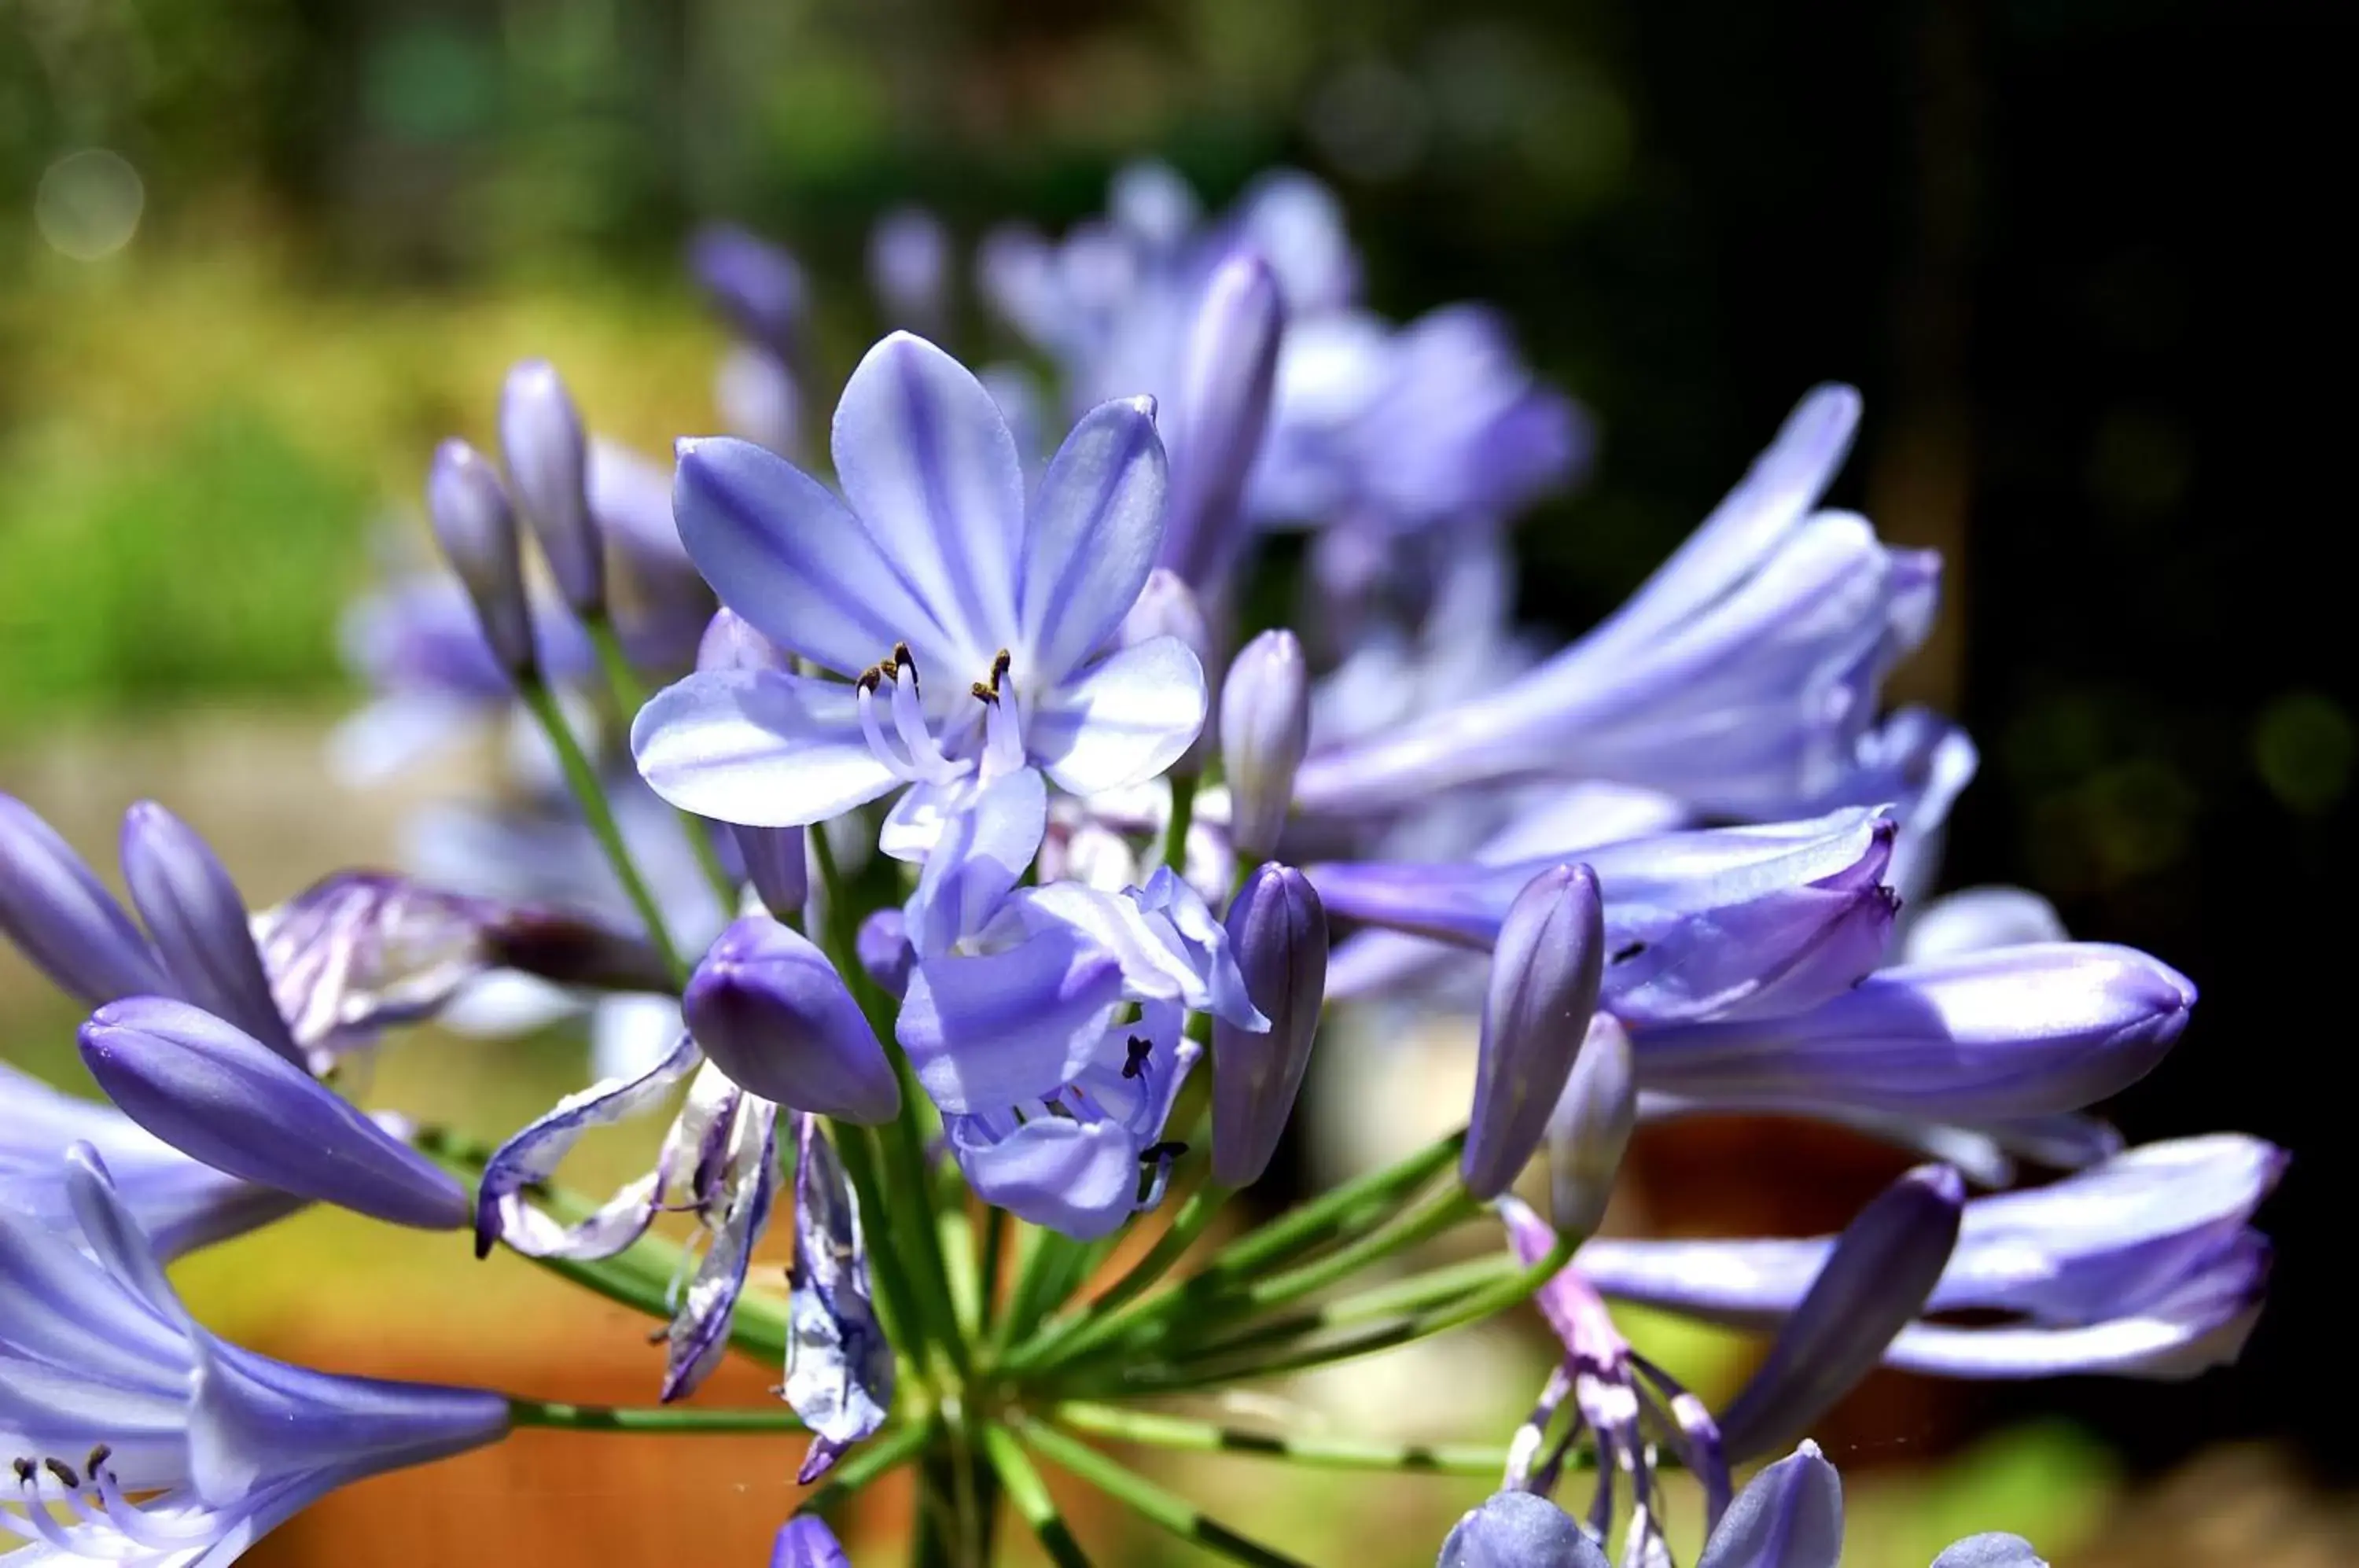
(1715, 923)
(1742, 677)
(180, 1203)
(973, 632)
(2143, 1265)
(138, 1438)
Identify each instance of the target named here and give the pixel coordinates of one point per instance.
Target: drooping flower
(182, 1203)
(1742, 677)
(2145, 1265)
(971, 631)
(840, 1366)
(138, 1438)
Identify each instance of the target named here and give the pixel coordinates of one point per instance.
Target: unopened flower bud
(1219, 417)
(218, 1095)
(477, 530)
(1279, 932)
(548, 457)
(200, 924)
(1519, 1530)
(773, 1014)
(53, 907)
(1590, 1129)
(1545, 976)
(1264, 730)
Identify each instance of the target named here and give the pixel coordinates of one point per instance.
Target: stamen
(984, 694)
(909, 722)
(1140, 1048)
(895, 763)
(906, 660)
(145, 1529)
(65, 1473)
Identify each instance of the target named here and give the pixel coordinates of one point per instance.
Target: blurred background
(257, 257)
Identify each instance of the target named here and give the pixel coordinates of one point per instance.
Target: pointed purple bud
(1790, 1516)
(1279, 932)
(777, 866)
(805, 1541)
(1264, 730)
(1519, 1530)
(1995, 1550)
(218, 1095)
(548, 457)
(53, 907)
(756, 284)
(909, 266)
(771, 1012)
(1545, 975)
(1592, 1127)
(882, 944)
(477, 530)
(1884, 1266)
(2012, 1032)
(1219, 417)
(200, 924)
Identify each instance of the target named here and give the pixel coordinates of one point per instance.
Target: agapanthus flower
(1715, 923)
(1371, 427)
(138, 1438)
(1743, 677)
(1790, 1516)
(972, 632)
(182, 1203)
(2145, 1265)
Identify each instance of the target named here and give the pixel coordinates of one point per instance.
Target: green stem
(1075, 1336)
(665, 1418)
(581, 777)
(1155, 1430)
(858, 1149)
(1473, 1308)
(1183, 816)
(1030, 1496)
(1420, 1226)
(1342, 1214)
(1173, 1513)
(993, 1262)
(1431, 1288)
(631, 696)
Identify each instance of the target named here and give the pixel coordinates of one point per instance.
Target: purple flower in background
(838, 1363)
(909, 267)
(2145, 1265)
(182, 1203)
(973, 631)
(757, 287)
(1743, 677)
(1709, 923)
(139, 1438)
(807, 1542)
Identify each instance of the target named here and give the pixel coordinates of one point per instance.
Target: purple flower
(756, 286)
(1544, 981)
(1743, 677)
(110, 1391)
(1220, 414)
(719, 1162)
(180, 1203)
(62, 918)
(2009, 1033)
(1279, 932)
(1264, 728)
(215, 1093)
(1085, 1156)
(805, 1541)
(477, 530)
(772, 1013)
(973, 634)
(838, 1363)
(1519, 1530)
(2144, 1266)
(548, 457)
(1590, 1129)
(909, 270)
(1718, 922)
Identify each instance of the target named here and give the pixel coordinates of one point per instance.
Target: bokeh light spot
(2304, 745)
(89, 203)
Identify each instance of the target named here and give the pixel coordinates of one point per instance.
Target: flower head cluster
(976, 868)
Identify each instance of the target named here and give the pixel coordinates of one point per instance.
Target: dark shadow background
(2074, 252)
